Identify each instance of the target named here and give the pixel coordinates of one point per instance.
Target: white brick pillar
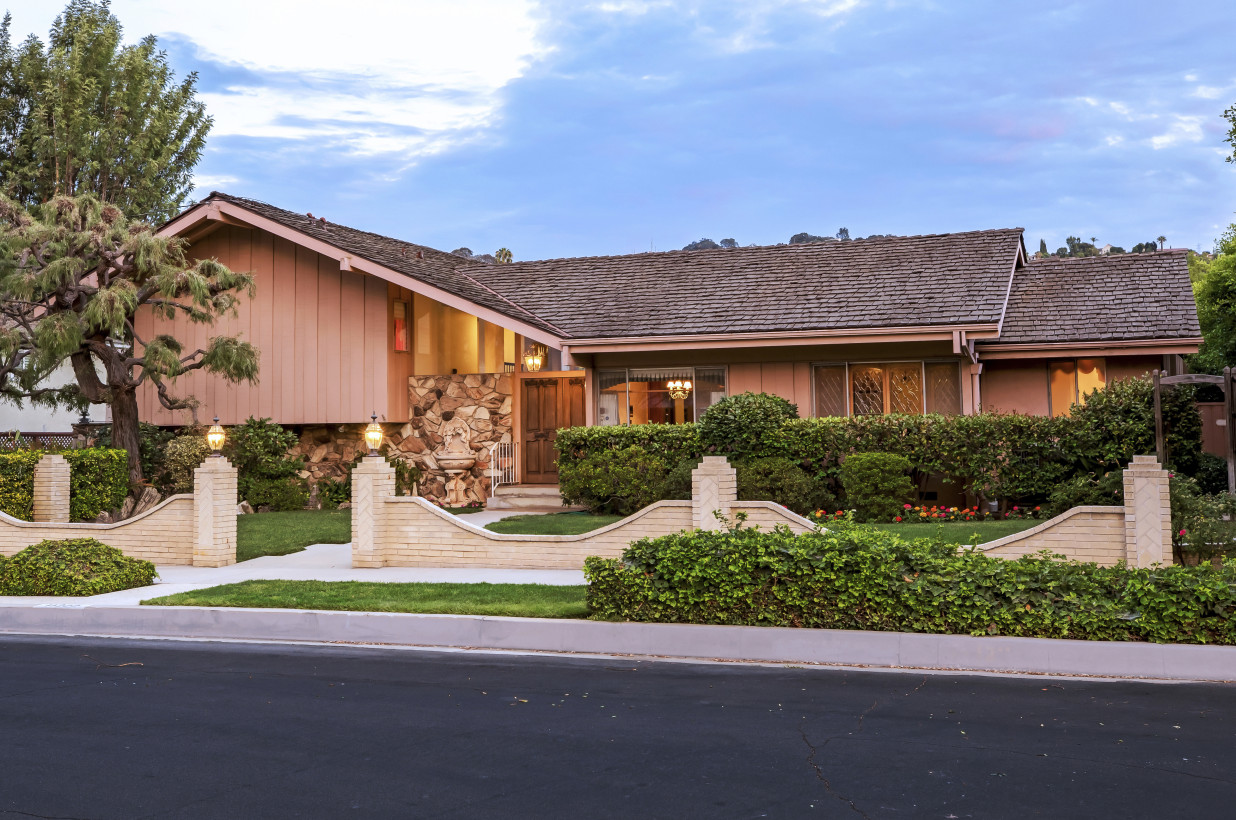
(373, 481)
(714, 488)
(214, 513)
(51, 489)
(1147, 514)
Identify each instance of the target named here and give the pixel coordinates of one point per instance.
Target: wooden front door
(547, 405)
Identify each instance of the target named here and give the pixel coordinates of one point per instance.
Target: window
(642, 395)
(875, 389)
(401, 327)
(1069, 381)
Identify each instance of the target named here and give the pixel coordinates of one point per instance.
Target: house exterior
(452, 353)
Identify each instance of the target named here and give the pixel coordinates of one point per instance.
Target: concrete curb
(890, 650)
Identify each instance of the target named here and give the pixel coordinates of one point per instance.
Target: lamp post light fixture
(679, 389)
(534, 358)
(215, 438)
(373, 434)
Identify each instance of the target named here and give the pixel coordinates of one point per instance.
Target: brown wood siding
(321, 335)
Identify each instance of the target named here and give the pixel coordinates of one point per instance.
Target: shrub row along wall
(197, 529)
(862, 578)
(992, 456)
(98, 481)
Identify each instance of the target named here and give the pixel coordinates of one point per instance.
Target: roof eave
(787, 338)
(224, 212)
(1103, 347)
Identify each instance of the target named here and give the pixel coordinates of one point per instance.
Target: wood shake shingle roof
(889, 282)
(1126, 297)
(941, 280)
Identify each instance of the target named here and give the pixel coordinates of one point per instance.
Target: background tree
(702, 245)
(805, 238)
(843, 234)
(1214, 287)
(729, 242)
(73, 274)
(88, 115)
(504, 256)
(1162, 240)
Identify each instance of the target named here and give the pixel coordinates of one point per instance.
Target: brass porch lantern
(215, 438)
(679, 389)
(373, 434)
(534, 358)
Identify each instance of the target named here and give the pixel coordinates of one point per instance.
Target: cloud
(379, 77)
(1184, 129)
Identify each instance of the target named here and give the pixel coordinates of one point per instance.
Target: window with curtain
(642, 395)
(875, 389)
(1070, 380)
(401, 327)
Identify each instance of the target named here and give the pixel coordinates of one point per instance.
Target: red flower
(897, 518)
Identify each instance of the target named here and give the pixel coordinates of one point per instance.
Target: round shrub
(616, 481)
(876, 485)
(181, 457)
(746, 426)
(782, 481)
(279, 494)
(75, 566)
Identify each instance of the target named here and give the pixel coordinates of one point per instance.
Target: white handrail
(501, 465)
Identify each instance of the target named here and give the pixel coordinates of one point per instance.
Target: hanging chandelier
(679, 389)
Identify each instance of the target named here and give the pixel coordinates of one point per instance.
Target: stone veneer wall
(482, 400)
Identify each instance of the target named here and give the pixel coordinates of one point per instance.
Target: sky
(574, 127)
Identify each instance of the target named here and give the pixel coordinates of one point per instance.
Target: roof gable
(1125, 297)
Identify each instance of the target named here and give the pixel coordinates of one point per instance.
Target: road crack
(814, 752)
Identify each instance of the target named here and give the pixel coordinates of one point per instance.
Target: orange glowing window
(401, 327)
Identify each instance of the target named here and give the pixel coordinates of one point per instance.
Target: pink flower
(906, 507)
(1182, 532)
(1014, 509)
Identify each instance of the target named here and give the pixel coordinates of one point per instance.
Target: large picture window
(880, 388)
(657, 395)
(1070, 380)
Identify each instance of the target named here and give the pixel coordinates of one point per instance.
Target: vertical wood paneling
(352, 296)
(308, 401)
(375, 345)
(745, 377)
(802, 388)
(264, 317)
(329, 342)
(285, 328)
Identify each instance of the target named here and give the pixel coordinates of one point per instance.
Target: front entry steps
(528, 497)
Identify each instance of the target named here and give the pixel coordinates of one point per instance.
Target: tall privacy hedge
(851, 577)
(98, 480)
(994, 456)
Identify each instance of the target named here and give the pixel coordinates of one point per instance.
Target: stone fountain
(455, 458)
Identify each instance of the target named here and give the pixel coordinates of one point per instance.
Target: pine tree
(87, 114)
(73, 274)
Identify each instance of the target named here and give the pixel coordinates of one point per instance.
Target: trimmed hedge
(1009, 457)
(854, 577)
(98, 480)
(75, 566)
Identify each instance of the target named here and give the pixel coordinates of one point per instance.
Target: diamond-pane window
(830, 390)
(867, 389)
(943, 388)
(905, 387)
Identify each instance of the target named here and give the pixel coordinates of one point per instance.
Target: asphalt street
(135, 729)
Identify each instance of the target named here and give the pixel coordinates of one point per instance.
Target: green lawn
(278, 533)
(566, 523)
(960, 532)
(518, 600)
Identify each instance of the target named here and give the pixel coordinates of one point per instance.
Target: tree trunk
(126, 435)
